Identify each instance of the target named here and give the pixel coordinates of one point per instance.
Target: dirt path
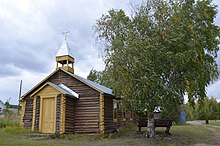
(215, 140)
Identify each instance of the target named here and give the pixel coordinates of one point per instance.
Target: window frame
(115, 110)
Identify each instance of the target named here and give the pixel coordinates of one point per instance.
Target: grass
(12, 120)
(211, 122)
(215, 122)
(181, 135)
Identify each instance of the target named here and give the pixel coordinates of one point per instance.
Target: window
(0, 109)
(115, 111)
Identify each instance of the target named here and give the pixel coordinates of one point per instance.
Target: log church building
(64, 102)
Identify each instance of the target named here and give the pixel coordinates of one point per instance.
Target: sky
(31, 33)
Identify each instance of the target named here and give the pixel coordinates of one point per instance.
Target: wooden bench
(157, 123)
(142, 123)
(163, 123)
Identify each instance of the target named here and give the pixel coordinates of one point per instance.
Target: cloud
(31, 35)
(213, 90)
(10, 85)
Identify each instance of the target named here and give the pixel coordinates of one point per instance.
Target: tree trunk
(150, 129)
(207, 121)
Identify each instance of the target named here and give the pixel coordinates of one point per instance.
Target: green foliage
(15, 130)
(11, 120)
(94, 76)
(165, 49)
(191, 112)
(3, 123)
(214, 108)
(101, 77)
(208, 109)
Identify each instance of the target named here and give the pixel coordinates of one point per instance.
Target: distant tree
(166, 48)
(209, 109)
(100, 77)
(205, 110)
(192, 111)
(94, 76)
(214, 108)
(7, 111)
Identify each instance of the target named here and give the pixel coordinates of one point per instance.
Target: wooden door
(48, 115)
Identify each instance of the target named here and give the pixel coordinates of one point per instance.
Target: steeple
(64, 57)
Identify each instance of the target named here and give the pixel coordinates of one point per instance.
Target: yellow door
(48, 115)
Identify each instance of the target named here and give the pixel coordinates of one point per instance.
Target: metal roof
(69, 90)
(92, 84)
(64, 50)
(95, 85)
(64, 89)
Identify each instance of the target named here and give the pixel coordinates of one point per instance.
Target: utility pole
(19, 97)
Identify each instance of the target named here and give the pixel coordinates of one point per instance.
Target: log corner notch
(63, 116)
(34, 114)
(101, 114)
(23, 107)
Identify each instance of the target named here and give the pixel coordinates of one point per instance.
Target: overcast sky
(31, 35)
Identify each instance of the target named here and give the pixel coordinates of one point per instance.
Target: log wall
(58, 111)
(37, 115)
(72, 83)
(109, 125)
(87, 115)
(86, 107)
(70, 112)
(122, 121)
(28, 115)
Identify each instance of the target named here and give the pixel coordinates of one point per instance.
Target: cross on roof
(65, 33)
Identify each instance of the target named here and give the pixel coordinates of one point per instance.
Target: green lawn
(215, 122)
(211, 122)
(181, 135)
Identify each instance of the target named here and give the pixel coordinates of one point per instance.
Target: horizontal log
(86, 128)
(87, 107)
(86, 121)
(86, 131)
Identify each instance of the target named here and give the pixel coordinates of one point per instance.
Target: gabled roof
(64, 50)
(61, 88)
(92, 84)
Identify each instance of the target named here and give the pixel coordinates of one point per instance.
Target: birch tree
(165, 49)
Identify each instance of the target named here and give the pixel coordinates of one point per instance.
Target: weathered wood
(109, 125)
(163, 123)
(70, 112)
(157, 123)
(37, 114)
(58, 113)
(28, 115)
(82, 115)
(142, 123)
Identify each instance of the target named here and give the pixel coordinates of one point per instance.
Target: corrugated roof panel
(95, 85)
(69, 90)
(64, 89)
